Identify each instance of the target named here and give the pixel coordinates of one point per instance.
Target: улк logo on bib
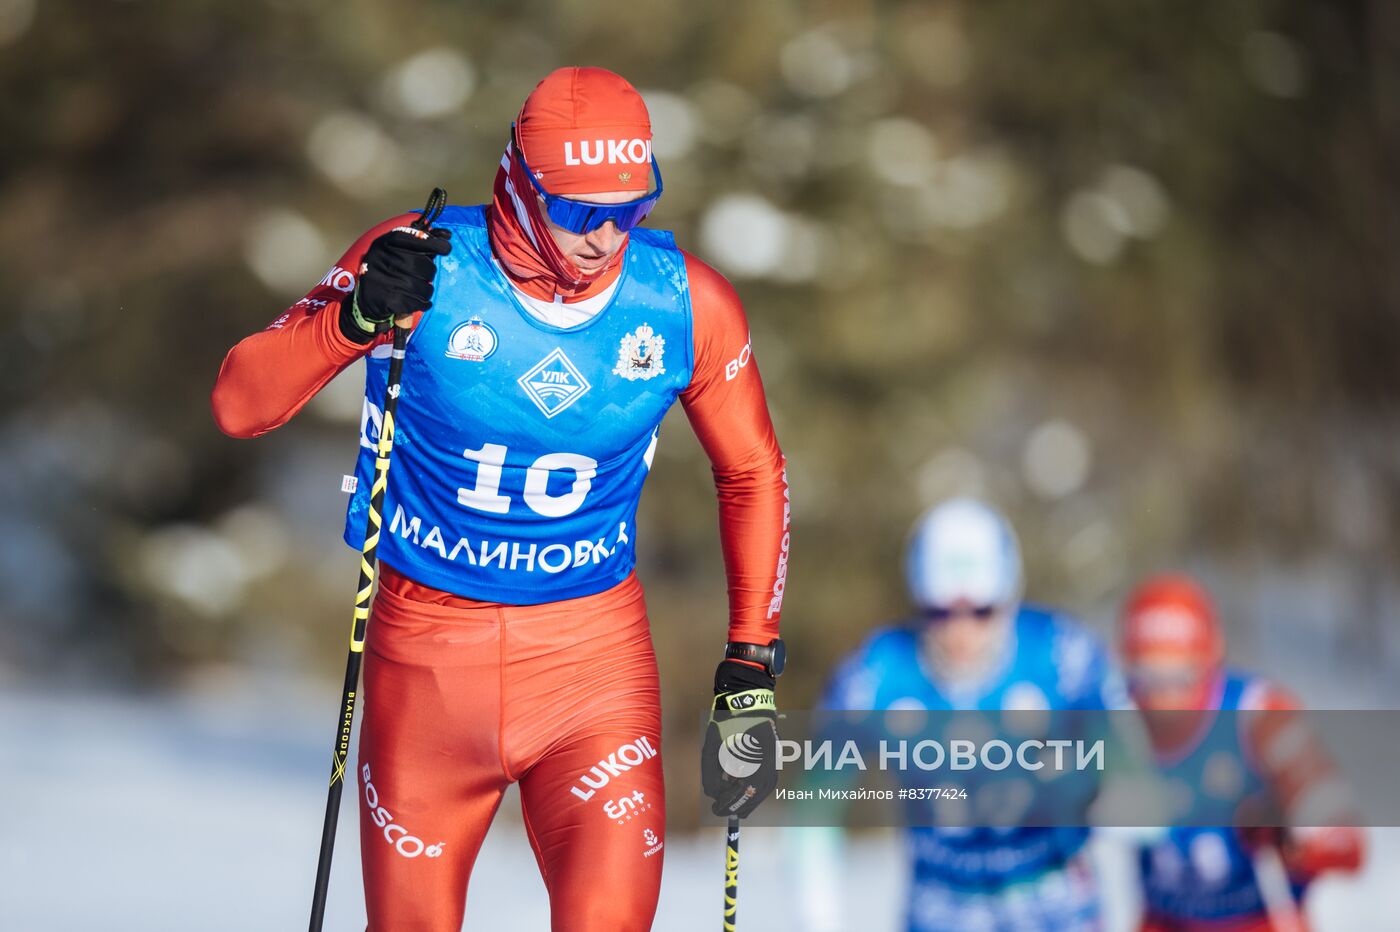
(639, 355)
(554, 383)
(473, 341)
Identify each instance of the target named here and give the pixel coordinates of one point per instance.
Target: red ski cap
(1170, 616)
(586, 131)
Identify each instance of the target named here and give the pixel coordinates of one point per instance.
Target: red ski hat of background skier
(1170, 616)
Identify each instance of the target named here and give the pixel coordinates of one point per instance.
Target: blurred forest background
(1124, 268)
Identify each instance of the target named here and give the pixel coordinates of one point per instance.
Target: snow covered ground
(204, 811)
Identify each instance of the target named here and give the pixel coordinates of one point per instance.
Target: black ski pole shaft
(363, 592)
(731, 875)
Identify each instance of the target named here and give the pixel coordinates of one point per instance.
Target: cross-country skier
(1204, 879)
(509, 640)
(974, 645)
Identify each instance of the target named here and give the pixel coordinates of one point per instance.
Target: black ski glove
(739, 761)
(395, 279)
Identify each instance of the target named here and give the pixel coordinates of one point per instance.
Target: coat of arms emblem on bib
(639, 356)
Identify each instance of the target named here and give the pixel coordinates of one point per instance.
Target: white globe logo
(740, 755)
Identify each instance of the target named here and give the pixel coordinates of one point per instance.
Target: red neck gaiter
(526, 249)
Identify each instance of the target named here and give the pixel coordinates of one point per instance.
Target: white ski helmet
(963, 550)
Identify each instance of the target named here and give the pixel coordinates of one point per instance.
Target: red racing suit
(464, 697)
(1300, 774)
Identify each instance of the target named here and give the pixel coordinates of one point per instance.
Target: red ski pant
(462, 698)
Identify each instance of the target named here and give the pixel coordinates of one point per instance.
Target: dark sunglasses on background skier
(938, 613)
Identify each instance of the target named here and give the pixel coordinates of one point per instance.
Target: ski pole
(420, 227)
(1284, 911)
(731, 875)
